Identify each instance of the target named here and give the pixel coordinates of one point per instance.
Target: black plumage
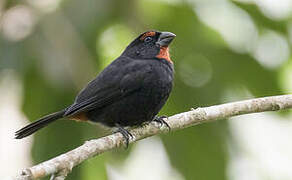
(128, 92)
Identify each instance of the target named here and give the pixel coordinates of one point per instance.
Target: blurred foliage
(69, 45)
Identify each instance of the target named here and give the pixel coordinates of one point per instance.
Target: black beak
(165, 38)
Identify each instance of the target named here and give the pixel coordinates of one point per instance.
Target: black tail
(40, 123)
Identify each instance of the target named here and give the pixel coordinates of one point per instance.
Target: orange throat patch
(164, 54)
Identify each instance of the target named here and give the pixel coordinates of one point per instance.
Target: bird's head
(149, 45)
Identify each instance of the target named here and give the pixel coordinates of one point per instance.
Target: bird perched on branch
(128, 92)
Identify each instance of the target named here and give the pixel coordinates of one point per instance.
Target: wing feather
(106, 89)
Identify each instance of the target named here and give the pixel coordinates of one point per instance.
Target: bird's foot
(161, 121)
(126, 134)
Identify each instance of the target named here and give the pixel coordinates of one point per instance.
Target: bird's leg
(160, 120)
(126, 134)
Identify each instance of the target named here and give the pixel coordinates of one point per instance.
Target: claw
(126, 134)
(160, 120)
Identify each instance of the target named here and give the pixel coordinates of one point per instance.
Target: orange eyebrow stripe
(150, 33)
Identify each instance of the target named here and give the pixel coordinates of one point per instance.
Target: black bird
(128, 92)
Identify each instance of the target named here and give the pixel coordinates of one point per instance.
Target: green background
(71, 44)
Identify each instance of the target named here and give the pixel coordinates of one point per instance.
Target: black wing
(118, 80)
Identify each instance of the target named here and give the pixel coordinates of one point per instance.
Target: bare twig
(60, 175)
(61, 165)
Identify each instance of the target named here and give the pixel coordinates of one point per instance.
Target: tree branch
(61, 165)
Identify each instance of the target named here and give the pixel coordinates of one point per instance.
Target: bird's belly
(134, 109)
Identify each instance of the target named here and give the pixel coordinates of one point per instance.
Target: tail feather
(35, 126)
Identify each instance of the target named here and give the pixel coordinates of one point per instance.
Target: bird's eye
(148, 39)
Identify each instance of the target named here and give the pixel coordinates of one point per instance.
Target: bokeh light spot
(195, 70)
(272, 50)
(234, 24)
(18, 23)
(45, 6)
(112, 43)
(275, 9)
